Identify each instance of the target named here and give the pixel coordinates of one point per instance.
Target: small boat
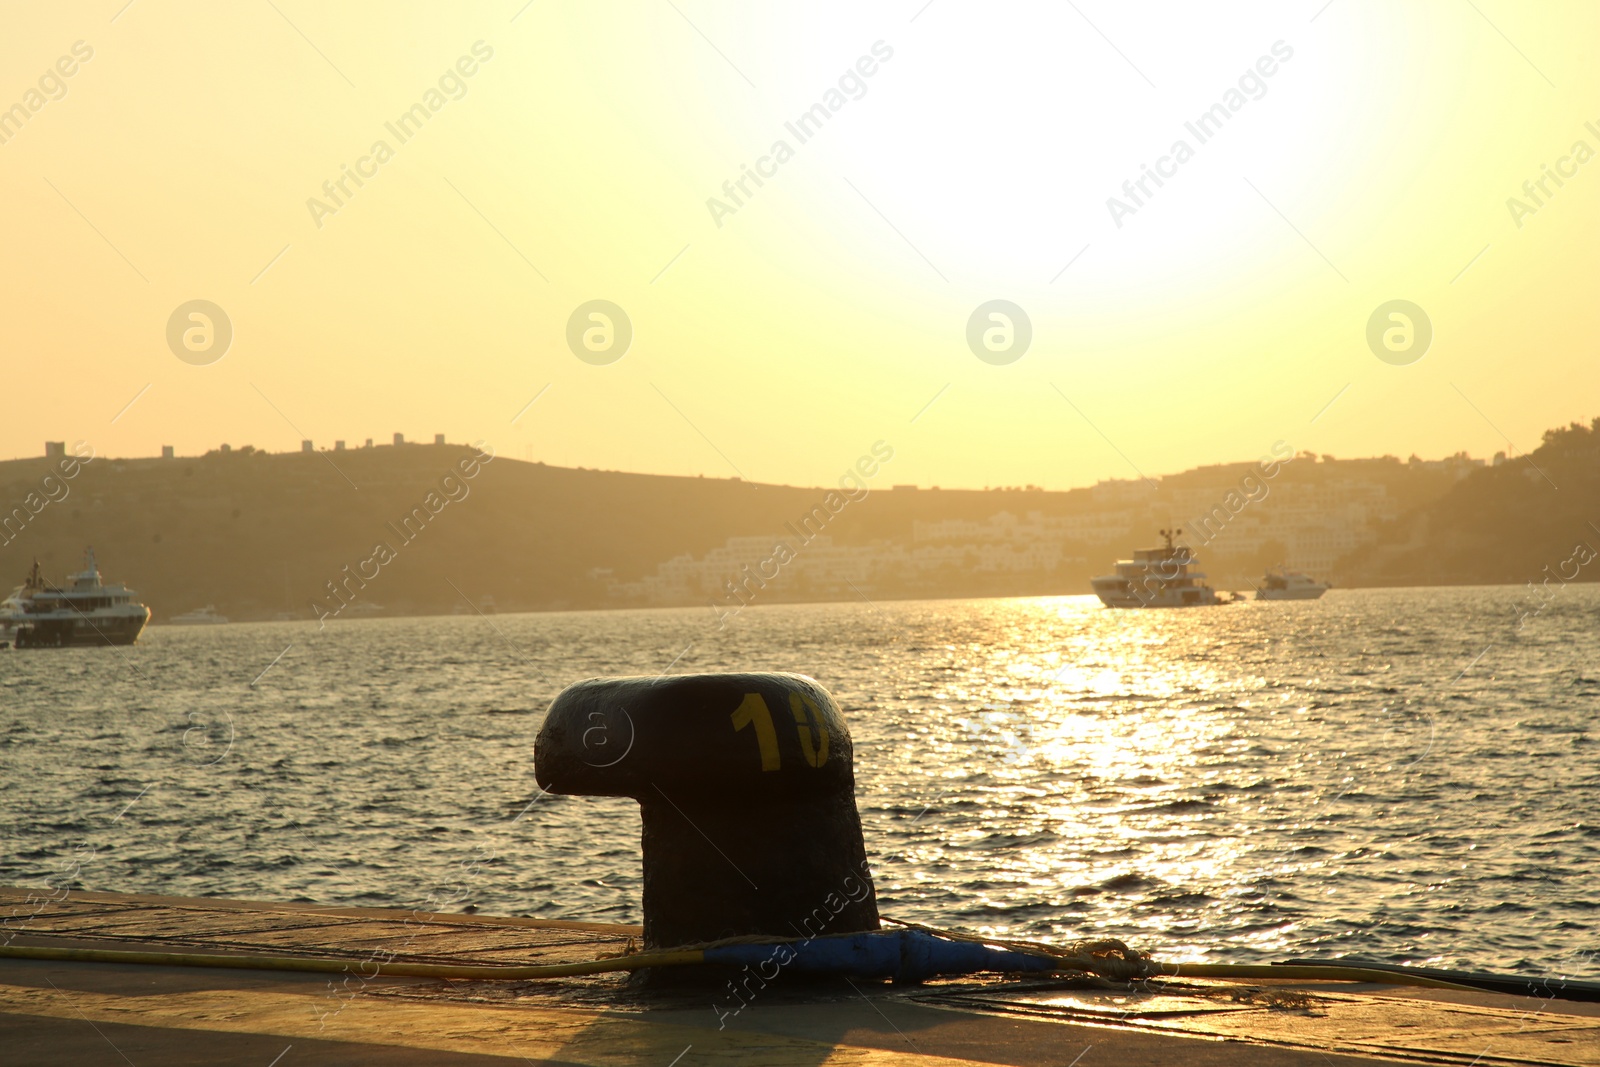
(1281, 584)
(1158, 578)
(206, 616)
(85, 611)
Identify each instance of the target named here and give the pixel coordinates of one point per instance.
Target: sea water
(1406, 775)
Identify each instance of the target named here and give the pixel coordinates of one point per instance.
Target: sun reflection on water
(1192, 781)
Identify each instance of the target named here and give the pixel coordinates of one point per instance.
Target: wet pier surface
(102, 1013)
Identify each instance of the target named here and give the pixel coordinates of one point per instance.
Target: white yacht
(1158, 578)
(206, 616)
(1281, 584)
(84, 612)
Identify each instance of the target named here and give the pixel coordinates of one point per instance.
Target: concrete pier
(94, 1013)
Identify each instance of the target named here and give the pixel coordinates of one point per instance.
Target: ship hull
(1290, 594)
(1117, 593)
(84, 631)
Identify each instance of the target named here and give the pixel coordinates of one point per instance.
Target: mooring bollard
(747, 793)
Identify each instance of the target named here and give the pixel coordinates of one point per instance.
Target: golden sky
(564, 152)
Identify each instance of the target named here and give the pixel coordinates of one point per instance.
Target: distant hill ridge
(261, 534)
(258, 534)
(1518, 522)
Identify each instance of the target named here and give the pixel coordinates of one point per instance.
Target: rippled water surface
(1401, 774)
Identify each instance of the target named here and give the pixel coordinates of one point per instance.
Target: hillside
(257, 534)
(408, 530)
(1501, 524)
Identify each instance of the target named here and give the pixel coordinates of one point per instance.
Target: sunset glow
(399, 210)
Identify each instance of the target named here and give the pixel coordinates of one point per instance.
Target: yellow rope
(366, 966)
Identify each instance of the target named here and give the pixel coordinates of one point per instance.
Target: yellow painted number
(815, 753)
(753, 710)
(808, 723)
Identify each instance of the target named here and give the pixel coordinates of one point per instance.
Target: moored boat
(1158, 578)
(86, 611)
(1281, 584)
(206, 616)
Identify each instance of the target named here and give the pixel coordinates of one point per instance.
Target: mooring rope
(1106, 958)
